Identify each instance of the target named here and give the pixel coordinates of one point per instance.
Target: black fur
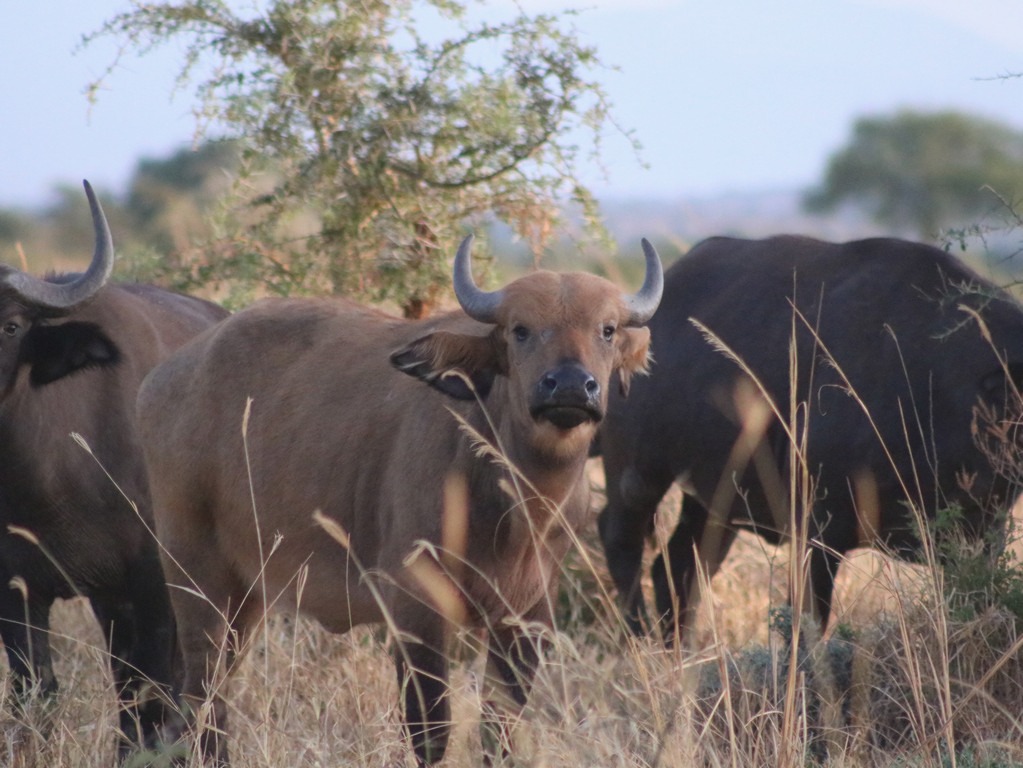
(56, 351)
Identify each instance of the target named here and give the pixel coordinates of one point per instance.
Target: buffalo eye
(608, 332)
(520, 332)
(11, 328)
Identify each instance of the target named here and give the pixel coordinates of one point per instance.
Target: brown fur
(334, 427)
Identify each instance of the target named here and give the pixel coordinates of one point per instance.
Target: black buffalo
(893, 348)
(73, 351)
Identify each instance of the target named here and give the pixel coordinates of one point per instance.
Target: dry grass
(306, 698)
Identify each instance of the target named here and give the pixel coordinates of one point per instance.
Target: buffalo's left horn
(63, 296)
(643, 303)
(479, 305)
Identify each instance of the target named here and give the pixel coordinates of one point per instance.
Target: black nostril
(592, 387)
(549, 384)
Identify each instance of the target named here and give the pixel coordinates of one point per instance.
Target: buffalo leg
(140, 650)
(211, 629)
(209, 646)
(155, 664)
(830, 533)
(117, 623)
(512, 659)
(25, 630)
(423, 680)
(625, 523)
(824, 563)
(676, 588)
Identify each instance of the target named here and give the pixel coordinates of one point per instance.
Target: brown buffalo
(874, 356)
(73, 352)
(334, 427)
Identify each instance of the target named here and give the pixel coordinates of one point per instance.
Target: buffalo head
(557, 338)
(27, 302)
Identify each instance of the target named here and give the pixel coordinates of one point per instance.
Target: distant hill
(675, 225)
(993, 246)
(740, 214)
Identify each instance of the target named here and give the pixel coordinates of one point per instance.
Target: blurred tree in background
(60, 236)
(366, 146)
(169, 199)
(920, 172)
(166, 208)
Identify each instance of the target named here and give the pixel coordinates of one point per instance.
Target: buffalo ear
(461, 366)
(632, 355)
(56, 351)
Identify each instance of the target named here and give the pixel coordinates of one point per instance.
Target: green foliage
(166, 210)
(71, 219)
(978, 577)
(170, 198)
(924, 171)
(368, 147)
(14, 226)
(990, 756)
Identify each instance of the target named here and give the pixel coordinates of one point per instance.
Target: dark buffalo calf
(892, 360)
(73, 352)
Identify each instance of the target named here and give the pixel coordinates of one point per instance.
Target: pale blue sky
(726, 95)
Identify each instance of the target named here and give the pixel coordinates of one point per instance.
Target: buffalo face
(557, 340)
(52, 351)
(564, 336)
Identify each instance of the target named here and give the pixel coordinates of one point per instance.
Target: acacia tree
(367, 147)
(924, 171)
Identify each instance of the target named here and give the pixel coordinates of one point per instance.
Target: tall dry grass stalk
(897, 679)
(302, 697)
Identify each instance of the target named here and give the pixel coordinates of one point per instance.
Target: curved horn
(479, 305)
(643, 304)
(56, 295)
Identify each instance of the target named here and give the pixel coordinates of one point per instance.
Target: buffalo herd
(187, 470)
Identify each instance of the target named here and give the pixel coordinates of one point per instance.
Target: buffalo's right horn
(64, 296)
(643, 303)
(479, 305)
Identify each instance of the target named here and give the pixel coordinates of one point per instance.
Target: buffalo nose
(569, 383)
(567, 396)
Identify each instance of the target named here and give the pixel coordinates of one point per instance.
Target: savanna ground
(910, 683)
